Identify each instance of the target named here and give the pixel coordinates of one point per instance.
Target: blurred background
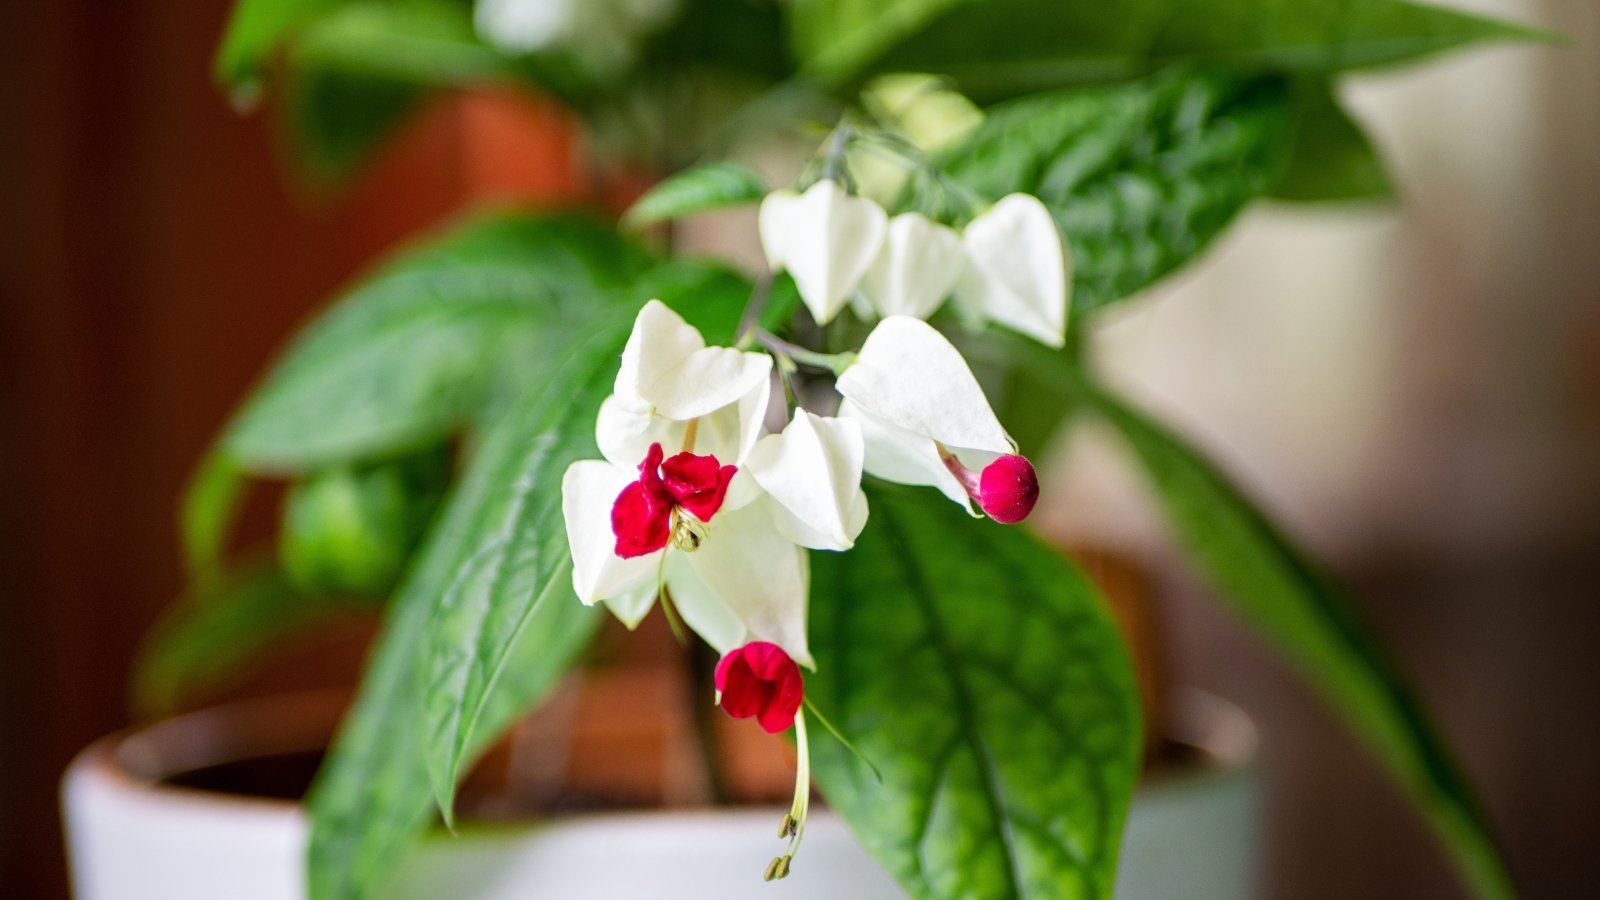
(1414, 390)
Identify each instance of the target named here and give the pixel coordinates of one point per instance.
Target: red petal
(650, 469)
(697, 483)
(781, 709)
(1008, 489)
(641, 519)
(743, 694)
(759, 679)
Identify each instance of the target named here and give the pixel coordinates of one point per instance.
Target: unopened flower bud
(1008, 489)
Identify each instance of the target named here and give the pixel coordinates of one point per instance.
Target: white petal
(624, 429)
(521, 26)
(828, 239)
(917, 267)
(701, 608)
(812, 471)
(897, 455)
(771, 223)
(910, 376)
(630, 607)
(667, 366)
(746, 567)
(1019, 269)
(588, 490)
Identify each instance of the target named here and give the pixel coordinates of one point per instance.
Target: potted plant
(817, 475)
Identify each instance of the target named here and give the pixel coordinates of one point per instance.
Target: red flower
(1008, 489)
(760, 680)
(641, 517)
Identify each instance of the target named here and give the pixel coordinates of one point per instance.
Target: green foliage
(485, 620)
(218, 631)
(350, 529)
(992, 690)
(409, 355)
(1275, 589)
(1332, 158)
(1139, 178)
(995, 49)
(210, 501)
(255, 30)
(697, 190)
(514, 557)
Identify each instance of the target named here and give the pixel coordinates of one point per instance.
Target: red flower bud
(760, 680)
(1008, 489)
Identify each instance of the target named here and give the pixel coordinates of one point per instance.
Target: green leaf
(373, 796)
(419, 348)
(256, 28)
(1332, 158)
(1278, 591)
(994, 49)
(217, 632)
(701, 189)
(350, 529)
(357, 74)
(210, 501)
(417, 700)
(1139, 178)
(982, 674)
(515, 557)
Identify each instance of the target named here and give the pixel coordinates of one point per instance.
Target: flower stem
(798, 355)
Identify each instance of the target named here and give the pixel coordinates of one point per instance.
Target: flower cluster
(697, 504)
(1008, 265)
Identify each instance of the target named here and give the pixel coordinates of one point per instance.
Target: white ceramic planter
(1191, 836)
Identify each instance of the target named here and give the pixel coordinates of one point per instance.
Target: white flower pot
(1192, 835)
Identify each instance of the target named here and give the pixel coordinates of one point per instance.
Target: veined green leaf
(514, 557)
(222, 629)
(1332, 160)
(1139, 178)
(994, 49)
(697, 190)
(373, 796)
(1277, 590)
(981, 673)
(413, 352)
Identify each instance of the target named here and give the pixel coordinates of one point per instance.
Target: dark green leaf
(221, 630)
(373, 797)
(1276, 589)
(419, 348)
(515, 559)
(697, 190)
(1332, 158)
(1139, 178)
(995, 49)
(980, 672)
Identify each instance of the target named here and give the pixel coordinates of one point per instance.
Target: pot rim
(136, 761)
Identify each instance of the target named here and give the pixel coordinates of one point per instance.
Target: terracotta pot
(139, 828)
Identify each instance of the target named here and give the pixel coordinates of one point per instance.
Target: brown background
(155, 254)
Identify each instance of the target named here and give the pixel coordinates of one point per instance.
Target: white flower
(608, 29)
(825, 238)
(688, 498)
(1018, 269)
(925, 421)
(916, 269)
(811, 474)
